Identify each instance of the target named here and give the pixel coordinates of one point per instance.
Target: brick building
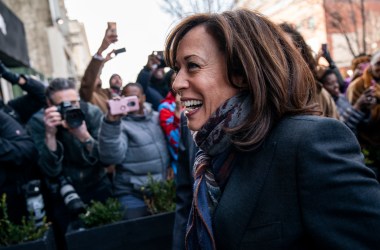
(328, 21)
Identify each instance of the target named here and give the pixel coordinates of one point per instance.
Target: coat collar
(367, 77)
(241, 195)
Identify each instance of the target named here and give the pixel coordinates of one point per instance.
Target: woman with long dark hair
(270, 173)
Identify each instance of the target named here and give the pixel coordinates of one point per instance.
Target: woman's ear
(237, 81)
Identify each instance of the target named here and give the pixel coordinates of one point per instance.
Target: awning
(13, 47)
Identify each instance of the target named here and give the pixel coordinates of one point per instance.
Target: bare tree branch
(179, 8)
(336, 22)
(363, 26)
(173, 8)
(355, 23)
(343, 31)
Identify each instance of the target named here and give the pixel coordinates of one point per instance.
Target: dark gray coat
(184, 183)
(305, 188)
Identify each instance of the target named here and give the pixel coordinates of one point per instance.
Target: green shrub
(370, 155)
(99, 214)
(160, 195)
(11, 233)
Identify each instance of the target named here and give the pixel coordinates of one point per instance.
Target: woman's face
(331, 85)
(201, 79)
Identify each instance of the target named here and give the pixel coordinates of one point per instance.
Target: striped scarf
(212, 167)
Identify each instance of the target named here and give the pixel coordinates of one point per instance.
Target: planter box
(45, 243)
(151, 232)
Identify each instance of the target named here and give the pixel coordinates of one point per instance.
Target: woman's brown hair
(272, 70)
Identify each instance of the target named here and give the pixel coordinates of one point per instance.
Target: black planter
(45, 243)
(151, 232)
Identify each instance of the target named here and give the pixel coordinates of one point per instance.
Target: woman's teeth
(192, 104)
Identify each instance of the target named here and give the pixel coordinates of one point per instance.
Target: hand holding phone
(160, 56)
(124, 105)
(112, 28)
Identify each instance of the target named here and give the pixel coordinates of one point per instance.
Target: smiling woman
(265, 176)
(204, 69)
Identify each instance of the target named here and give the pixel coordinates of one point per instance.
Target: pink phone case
(124, 105)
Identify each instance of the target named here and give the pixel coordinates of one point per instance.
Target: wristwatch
(88, 141)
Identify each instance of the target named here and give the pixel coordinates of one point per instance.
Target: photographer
(66, 137)
(23, 107)
(151, 78)
(352, 115)
(135, 142)
(325, 53)
(17, 154)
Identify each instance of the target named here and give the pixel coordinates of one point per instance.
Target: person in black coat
(17, 155)
(23, 107)
(151, 78)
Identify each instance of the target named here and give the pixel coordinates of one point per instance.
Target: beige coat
(369, 133)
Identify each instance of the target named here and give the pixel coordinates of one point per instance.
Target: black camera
(70, 197)
(73, 116)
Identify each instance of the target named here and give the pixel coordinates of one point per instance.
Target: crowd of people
(65, 136)
(264, 143)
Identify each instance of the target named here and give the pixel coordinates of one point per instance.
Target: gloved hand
(7, 75)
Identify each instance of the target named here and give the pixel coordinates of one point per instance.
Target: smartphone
(160, 56)
(124, 105)
(117, 51)
(112, 28)
(324, 47)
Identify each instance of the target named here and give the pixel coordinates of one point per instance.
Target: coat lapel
(241, 194)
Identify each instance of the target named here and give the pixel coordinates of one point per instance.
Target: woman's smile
(191, 106)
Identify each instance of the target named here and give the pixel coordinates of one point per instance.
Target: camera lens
(74, 117)
(131, 104)
(35, 202)
(70, 197)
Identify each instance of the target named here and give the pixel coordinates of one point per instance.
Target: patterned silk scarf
(212, 167)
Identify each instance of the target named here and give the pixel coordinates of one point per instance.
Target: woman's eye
(191, 65)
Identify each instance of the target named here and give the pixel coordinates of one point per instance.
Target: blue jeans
(133, 206)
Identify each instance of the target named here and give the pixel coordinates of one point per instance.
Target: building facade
(57, 46)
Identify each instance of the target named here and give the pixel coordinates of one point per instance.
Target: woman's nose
(179, 83)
